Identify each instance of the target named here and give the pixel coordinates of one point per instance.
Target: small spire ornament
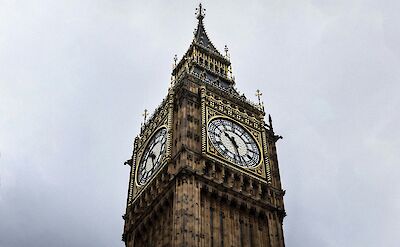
(270, 122)
(175, 60)
(259, 94)
(145, 113)
(226, 51)
(172, 81)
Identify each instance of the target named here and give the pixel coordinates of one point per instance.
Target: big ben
(204, 169)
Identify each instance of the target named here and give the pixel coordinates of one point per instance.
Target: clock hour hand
(152, 156)
(232, 139)
(235, 145)
(234, 142)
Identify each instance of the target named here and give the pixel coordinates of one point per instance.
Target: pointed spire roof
(202, 44)
(200, 34)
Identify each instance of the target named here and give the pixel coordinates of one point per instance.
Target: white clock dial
(152, 156)
(234, 142)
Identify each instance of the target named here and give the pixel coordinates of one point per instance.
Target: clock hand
(234, 142)
(152, 156)
(235, 145)
(232, 139)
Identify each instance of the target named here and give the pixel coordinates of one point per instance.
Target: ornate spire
(200, 35)
(226, 52)
(175, 59)
(203, 59)
(145, 114)
(259, 94)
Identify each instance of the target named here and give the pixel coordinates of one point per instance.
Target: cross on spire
(200, 12)
(259, 94)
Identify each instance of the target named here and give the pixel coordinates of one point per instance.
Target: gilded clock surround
(140, 154)
(216, 106)
(160, 119)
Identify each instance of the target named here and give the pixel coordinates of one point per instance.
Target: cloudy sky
(76, 75)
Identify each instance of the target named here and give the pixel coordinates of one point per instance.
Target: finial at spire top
(200, 12)
(226, 52)
(259, 94)
(145, 113)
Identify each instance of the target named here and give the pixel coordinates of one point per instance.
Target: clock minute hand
(227, 135)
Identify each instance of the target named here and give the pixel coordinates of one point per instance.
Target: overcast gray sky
(76, 75)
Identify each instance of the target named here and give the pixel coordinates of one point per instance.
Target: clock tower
(204, 169)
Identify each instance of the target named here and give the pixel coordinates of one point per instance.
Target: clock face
(152, 156)
(234, 142)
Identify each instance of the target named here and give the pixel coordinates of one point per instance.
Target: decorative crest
(200, 12)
